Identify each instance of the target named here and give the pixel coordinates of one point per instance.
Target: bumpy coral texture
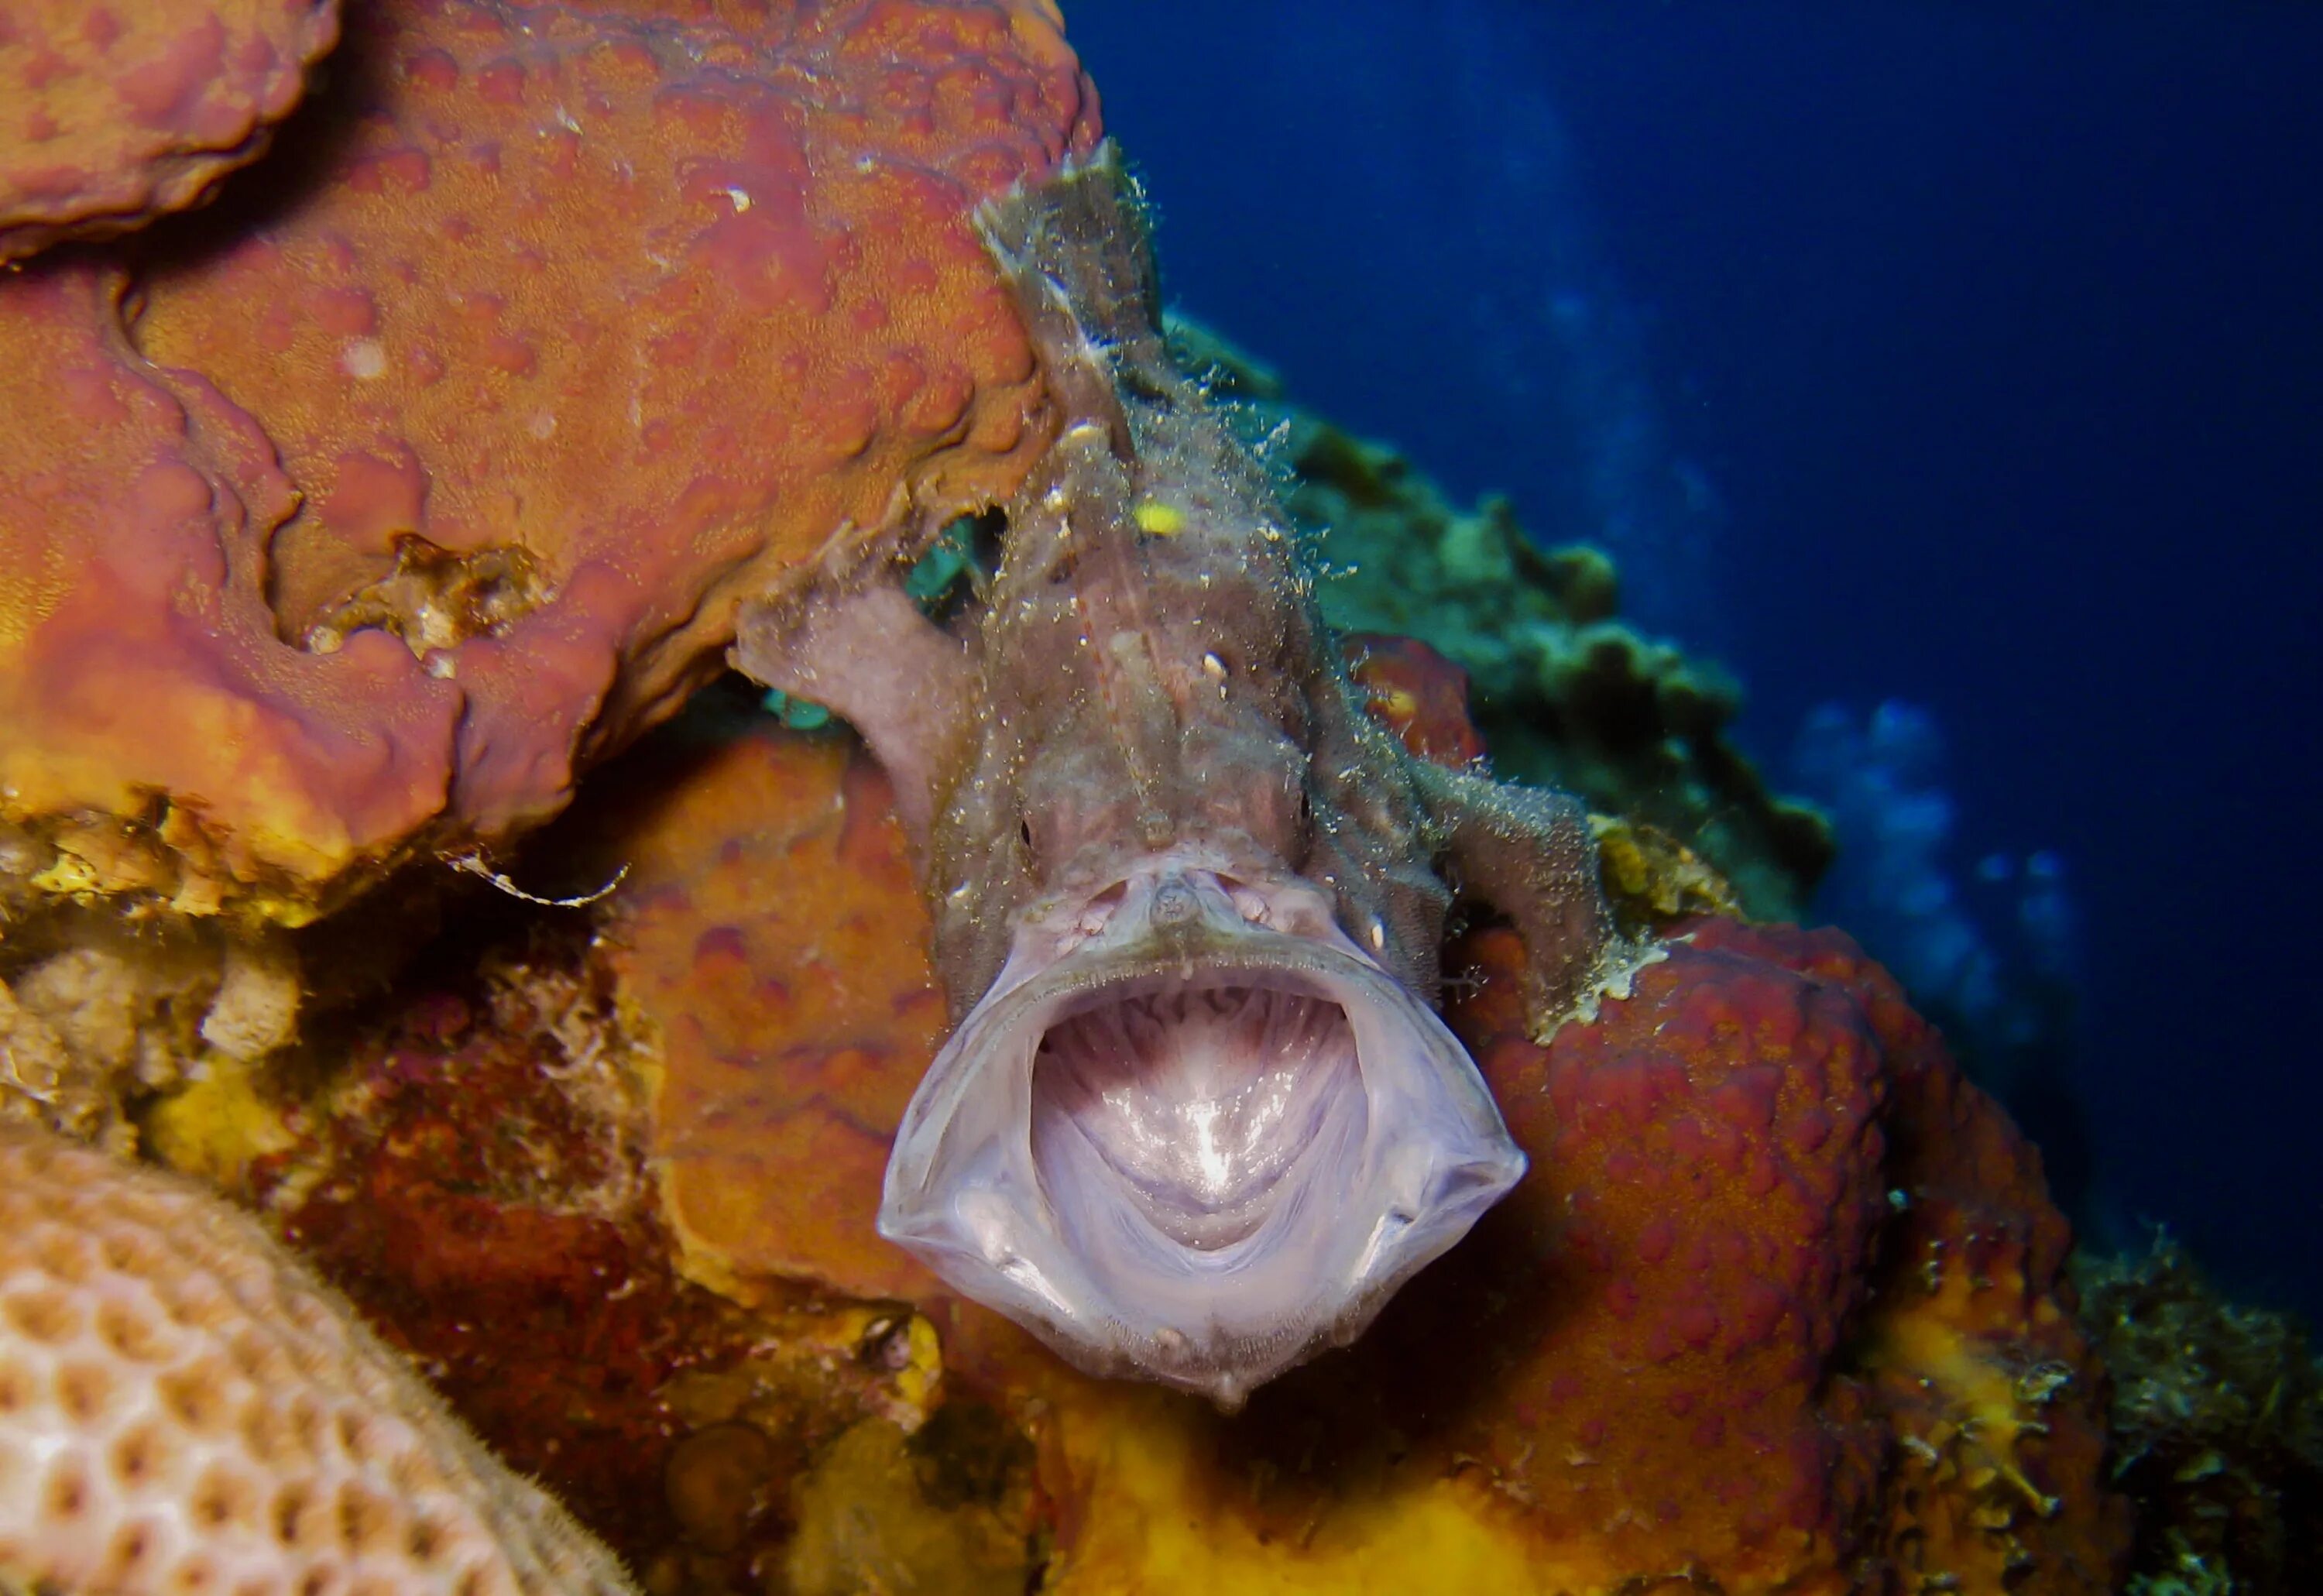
(111, 115)
(473, 1166)
(433, 462)
(792, 1024)
(1779, 1305)
(183, 1408)
(1569, 695)
(1969, 1351)
(89, 1027)
(1416, 693)
(2217, 1423)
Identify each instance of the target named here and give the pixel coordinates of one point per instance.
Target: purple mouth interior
(1203, 1112)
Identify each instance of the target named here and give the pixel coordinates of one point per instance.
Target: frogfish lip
(1193, 1133)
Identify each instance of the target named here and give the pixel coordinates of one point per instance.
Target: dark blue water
(1968, 354)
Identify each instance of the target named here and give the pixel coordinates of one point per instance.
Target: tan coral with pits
(184, 1407)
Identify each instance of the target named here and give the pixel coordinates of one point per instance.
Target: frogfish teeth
(1197, 1119)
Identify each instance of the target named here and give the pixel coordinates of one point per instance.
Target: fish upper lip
(1298, 964)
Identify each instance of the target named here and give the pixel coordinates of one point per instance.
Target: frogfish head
(1193, 1132)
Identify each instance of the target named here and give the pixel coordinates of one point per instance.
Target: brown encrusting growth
(813, 1006)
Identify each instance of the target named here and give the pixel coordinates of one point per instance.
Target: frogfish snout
(1193, 1132)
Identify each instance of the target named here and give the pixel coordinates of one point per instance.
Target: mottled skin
(1197, 1119)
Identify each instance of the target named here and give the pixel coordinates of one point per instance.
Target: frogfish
(1197, 1118)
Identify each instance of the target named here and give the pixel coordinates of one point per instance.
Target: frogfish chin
(1193, 1132)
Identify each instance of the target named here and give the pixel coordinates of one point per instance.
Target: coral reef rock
(1566, 694)
(1781, 1305)
(2217, 1422)
(184, 1407)
(351, 516)
(821, 975)
(466, 1153)
(110, 115)
(476, 1161)
(348, 522)
(97, 1018)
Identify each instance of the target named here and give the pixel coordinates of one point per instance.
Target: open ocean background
(1965, 359)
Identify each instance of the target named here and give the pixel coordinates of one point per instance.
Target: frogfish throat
(1193, 1132)
(1202, 1109)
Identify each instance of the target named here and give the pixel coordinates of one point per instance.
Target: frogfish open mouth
(1197, 1119)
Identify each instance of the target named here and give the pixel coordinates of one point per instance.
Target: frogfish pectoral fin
(1193, 1132)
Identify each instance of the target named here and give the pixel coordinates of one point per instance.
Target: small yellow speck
(1162, 520)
